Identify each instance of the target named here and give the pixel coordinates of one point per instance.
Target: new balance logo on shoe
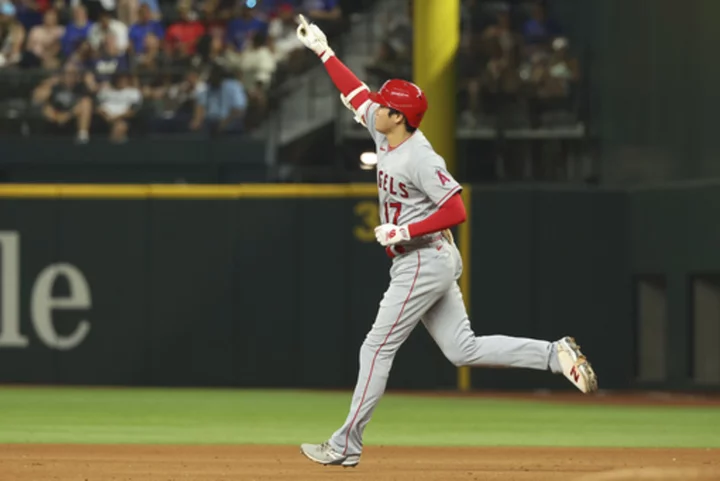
(575, 366)
(575, 374)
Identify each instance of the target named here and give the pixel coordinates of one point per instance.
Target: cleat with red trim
(324, 454)
(575, 365)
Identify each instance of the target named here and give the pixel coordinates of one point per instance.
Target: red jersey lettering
(443, 178)
(403, 191)
(392, 186)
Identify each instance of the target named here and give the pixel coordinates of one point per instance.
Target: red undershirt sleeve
(451, 213)
(346, 81)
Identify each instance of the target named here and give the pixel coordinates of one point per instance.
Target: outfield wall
(211, 286)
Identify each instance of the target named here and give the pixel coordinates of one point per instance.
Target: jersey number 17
(397, 207)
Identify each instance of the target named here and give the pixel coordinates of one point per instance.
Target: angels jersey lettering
(413, 181)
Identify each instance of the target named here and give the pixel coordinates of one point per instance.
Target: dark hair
(216, 76)
(409, 128)
(118, 76)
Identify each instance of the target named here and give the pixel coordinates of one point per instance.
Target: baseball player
(419, 202)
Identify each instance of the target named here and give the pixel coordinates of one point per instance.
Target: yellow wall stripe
(199, 191)
(185, 191)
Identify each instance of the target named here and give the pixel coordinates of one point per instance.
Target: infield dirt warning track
(22, 462)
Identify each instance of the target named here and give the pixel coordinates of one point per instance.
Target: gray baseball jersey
(412, 183)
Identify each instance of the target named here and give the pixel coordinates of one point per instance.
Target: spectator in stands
(30, 12)
(563, 68)
(118, 103)
(216, 19)
(154, 6)
(151, 66)
(552, 78)
(65, 98)
(12, 35)
(95, 8)
(43, 43)
(220, 11)
(219, 105)
(539, 29)
(501, 32)
(151, 59)
(107, 26)
(76, 31)
(322, 11)
(243, 27)
(474, 17)
(282, 32)
(471, 63)
(109, 62)
(173, 103)
(257, 63)
(129, 10)
(327, 14)
(182, 36)
(83, 57)
(500, 82)
(270, 9)
(212, 50)
(145, 26)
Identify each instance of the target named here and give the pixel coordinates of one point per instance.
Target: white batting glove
(389, 235)
(313, 38)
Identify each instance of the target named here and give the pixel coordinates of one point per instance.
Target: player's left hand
(389, 234)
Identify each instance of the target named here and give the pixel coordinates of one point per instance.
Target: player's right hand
(312, 37)
(389, 234)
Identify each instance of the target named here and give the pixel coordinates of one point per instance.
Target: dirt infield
(268, 463)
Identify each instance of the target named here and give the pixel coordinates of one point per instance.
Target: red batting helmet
(403, 96)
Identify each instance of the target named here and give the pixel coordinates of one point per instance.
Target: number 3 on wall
(368, 212)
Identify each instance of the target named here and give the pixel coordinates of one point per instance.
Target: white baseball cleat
(575, 365)
(324, 454)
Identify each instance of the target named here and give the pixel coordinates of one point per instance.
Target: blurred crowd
(115, 67)
(211, 67)
(515, 67)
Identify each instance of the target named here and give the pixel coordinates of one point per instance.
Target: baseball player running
(419, 202)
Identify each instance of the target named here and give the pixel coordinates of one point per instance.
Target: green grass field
(190, 416)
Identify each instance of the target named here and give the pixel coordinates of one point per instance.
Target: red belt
(396, 250)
